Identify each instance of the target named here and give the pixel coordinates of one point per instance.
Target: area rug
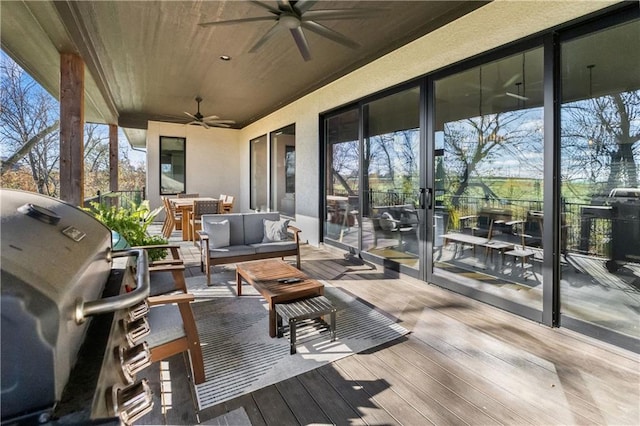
(240, 357)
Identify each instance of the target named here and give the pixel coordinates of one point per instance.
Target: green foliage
(131, 223)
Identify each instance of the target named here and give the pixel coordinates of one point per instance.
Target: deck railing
(586, 235)
(117, 198)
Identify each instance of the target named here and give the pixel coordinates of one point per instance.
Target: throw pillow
(219, 233)
(274, 230)
(386, 222)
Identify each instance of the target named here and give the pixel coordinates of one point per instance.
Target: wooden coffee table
(266, 276)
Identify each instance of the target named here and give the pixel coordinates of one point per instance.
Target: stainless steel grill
(65, 314)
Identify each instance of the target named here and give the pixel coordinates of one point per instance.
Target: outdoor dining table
(185, 206)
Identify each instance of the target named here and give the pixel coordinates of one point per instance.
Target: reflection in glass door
(391, 173)
(488, 179)
(600, 188)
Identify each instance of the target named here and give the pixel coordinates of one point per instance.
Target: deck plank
(273, 407)
(301, 403)
(357, 396)
(329, 400)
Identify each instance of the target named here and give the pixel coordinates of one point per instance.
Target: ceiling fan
(206, 122)
(295, 16)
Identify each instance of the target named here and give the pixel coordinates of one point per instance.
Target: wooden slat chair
(167, 275)
(201, 207)
(172, 219)
(227, 204)
(173, 330)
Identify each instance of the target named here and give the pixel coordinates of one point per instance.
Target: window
(172, 165)
(283, 170)
(259, 174)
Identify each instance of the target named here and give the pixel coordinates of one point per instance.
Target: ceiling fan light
(289, 21)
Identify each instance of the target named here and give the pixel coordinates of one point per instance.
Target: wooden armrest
(166, 262)
(472, 216)
(514, 222)
(166, 267)
(170, 298)
(296, 233)
(203, 235)
(173, 248)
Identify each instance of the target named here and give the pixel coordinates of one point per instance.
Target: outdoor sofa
(240, 237)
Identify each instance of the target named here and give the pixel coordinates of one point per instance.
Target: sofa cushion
(275, 246)
(236, 226)
(218, 233)
(387, 222)
(231, 251)
(254, 227)
(275, 230)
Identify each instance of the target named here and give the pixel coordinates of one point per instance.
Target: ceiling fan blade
(214, 122)
(191, 115)
(266, 6)
(337, 14)
(237, 21)
(330, 34)
(220, 125)
(209, 118)
(301, 42)
(265, 38)
(520, 97)
(302, 6)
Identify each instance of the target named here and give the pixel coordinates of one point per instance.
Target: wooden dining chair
(227, 204)
(173, 330)
(201, 207)
(172, 219)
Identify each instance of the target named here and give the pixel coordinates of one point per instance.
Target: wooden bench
(299, 310)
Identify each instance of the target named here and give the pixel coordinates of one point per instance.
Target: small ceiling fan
(207, 122)
(296, 16)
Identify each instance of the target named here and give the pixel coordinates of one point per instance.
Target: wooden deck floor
(464, 362)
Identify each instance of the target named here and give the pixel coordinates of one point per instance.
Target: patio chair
(172, 220)
(201, 207)
(227, 204)
(173, 331)
(166, 275)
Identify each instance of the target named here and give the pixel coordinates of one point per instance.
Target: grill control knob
(138, 311)
(132, 402)
(136, 330)
(132, 360)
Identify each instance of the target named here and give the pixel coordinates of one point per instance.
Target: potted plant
(131, 223)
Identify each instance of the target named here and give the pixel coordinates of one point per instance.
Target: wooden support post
(113, 157)
(72, 128)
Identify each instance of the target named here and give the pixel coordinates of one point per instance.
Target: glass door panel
(600, 165)
(342, 196)
(488, 179)
(391, 173)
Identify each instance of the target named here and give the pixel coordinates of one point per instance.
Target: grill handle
(122, 301)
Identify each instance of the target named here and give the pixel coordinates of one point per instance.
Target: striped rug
(240, 357)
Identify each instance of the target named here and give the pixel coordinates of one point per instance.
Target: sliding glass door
(488, 180)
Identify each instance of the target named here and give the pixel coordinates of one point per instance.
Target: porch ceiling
(148, 60)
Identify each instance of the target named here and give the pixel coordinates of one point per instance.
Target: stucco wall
(491, 26)
(212, 157)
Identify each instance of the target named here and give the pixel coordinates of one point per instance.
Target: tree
(31, 146)
(28, 124)
(600, 140)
